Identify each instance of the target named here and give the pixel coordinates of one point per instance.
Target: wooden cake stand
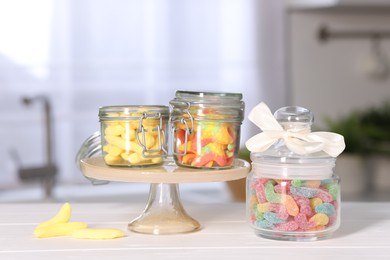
(164, 213)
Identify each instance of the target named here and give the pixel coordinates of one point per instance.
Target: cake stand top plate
(168, 172)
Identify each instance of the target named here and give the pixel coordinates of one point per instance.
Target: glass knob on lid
(294, 117)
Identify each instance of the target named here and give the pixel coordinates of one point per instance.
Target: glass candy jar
(205, 128)
(292, 190)
(134, 135)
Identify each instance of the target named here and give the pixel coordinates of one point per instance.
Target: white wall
(327, 77)
(91, 53)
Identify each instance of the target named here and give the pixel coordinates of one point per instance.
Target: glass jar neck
(133, 112)
(193, 96)
(282, 163)
(209, 106)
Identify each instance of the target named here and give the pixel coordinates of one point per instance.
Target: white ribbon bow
(299, 141)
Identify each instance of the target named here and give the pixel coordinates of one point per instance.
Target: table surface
(225, 234)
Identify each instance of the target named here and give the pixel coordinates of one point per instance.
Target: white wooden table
(364, 234)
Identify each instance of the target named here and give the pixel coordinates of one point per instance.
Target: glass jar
(91, 147)
(292, 196)
(134, 135)
(205, 128)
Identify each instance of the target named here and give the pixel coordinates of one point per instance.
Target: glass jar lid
(132, 112)
(195, 96)
(294, 117)
(288, 149)
(299, 120)
(211, 106)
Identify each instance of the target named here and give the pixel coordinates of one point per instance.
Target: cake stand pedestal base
(164, 213)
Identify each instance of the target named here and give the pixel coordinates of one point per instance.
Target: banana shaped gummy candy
(62, 216)
(98, 233)
(59, 229)
(59, 225)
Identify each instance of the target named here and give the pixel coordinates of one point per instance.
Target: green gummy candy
(270, 193)
(259, 215)
(333, 190)
(297, 183)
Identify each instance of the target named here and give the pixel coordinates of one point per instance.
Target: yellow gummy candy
(129, 135)
(135, 158)
(98, 233)
(134, 124)
(62, 216)
(112, 150)
(59, 229)
(314, 202)
(150, 124)
(223, 136)
(149, 139)
(59, 225)
(263, 207)
(117, 141)
(112, 159)
(216, 148)
(114, 130)
(157, 160)
(135, 147)
(253, 200)
(320, 219)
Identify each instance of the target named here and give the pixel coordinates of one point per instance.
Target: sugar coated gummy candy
(264, 224)
(289, 226)
(280, 210)
(270, 193)
(314, 202)
(258, 187)
(294, 206)
(303, 223)
(273, 218)
(304, 192)
(290, 204)
(320, 219)
(277, 208)
(325, 208)
(304, 205)
(324, 195)
(209, 144)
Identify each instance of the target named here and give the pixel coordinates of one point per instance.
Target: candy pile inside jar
(133, 135)
(294, 205)
(210, 144)
(292, 190)
(206, 128)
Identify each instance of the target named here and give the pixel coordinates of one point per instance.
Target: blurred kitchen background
(60, 60)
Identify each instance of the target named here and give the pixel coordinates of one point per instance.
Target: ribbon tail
(259, 143)
(334, 143)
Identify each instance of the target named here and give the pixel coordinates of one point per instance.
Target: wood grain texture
(225, 234)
